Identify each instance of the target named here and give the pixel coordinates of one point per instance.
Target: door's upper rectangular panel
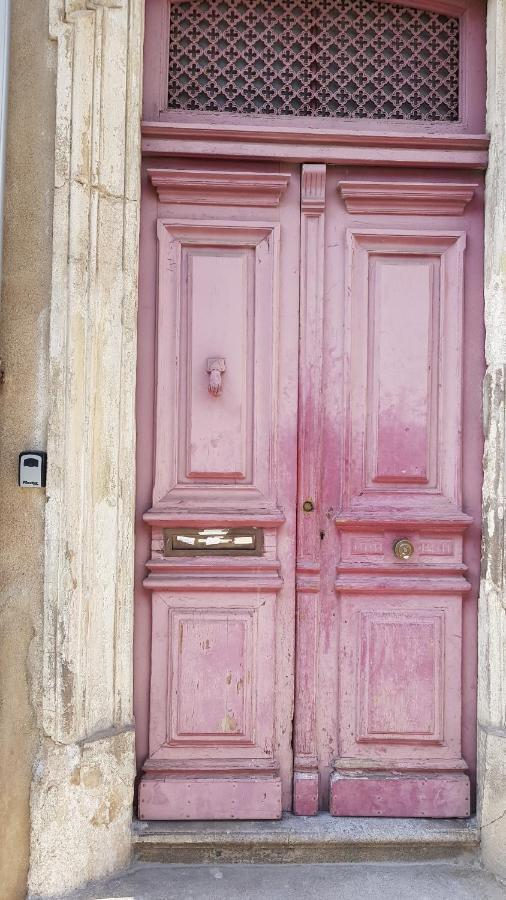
(216, 361)
(404, 369)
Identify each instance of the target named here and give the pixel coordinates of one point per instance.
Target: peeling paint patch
(228, 724)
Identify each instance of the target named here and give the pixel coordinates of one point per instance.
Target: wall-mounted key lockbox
(32, 469)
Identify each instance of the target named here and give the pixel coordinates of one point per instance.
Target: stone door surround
(82, 791)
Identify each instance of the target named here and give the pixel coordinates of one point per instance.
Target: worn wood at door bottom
(250, 797)
(414, 795)
(305, 793)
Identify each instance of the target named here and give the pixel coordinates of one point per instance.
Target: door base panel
(305, 793)
(413, 795)
(249, 797)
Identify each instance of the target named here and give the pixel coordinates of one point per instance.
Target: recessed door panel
(400, 678)
(220, 315)
(403, 308)
(404, 354)
(212, 694)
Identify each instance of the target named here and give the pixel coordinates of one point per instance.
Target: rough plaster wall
(492, 623)
(24, 313)
(81, 812)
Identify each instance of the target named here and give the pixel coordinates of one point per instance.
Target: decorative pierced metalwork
(339, 58)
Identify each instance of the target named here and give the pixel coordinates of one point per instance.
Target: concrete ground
(358, 881)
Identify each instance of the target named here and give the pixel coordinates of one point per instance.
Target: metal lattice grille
(340, 58)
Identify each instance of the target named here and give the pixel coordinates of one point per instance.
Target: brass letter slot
(213, 541)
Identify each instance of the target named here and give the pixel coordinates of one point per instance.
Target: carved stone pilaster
(84, 777)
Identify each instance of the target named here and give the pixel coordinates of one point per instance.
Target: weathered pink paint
(379, 457)
(212, 704)
(417, 795)
(306, 778)
(186, 797)
(395, 326)
(221, 673)
(372, 412)
(354, 143)
(404, 197)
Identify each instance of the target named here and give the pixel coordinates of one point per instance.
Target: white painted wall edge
(4, 79)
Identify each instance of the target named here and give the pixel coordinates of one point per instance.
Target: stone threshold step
(297, 839)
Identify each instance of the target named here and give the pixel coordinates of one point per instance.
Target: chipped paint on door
(354, 445)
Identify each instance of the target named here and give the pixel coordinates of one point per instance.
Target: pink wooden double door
(314, 519)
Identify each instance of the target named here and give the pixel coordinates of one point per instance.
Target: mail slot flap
(209, 541)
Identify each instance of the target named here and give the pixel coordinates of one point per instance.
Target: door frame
(168, 202)
(70, 724)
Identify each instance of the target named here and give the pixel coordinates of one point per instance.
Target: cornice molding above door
(347, 146)
(406, 197)
(213, 188)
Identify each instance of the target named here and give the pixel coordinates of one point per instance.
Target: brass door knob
(308, 506)
(403, 548)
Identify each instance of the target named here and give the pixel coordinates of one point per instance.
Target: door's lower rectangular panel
(208, 797)
(213, 676)
(212, 699)
(400, 715)
(400, 671)
(444, 795)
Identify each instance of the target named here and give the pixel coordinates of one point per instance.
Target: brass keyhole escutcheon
(403, 549)
(308, 506)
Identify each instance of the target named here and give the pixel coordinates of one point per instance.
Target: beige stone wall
(84, 772)
(492, 613)
(68, 341)
(24, 318)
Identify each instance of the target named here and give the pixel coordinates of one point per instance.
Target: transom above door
(414, 67)
(313, 558)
